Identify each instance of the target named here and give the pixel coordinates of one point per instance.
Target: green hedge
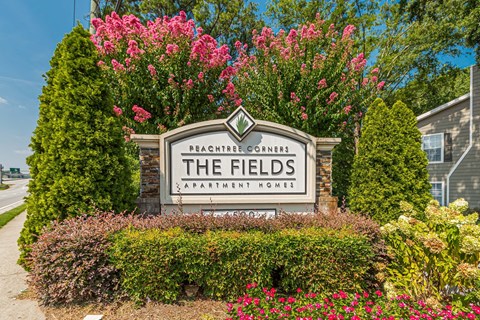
(154, 264)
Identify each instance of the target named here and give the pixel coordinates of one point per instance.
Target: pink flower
(229, 90)
(251, 285)
(322, 83)
(291, 300)
(200, 76)
(294, 97)
(109, 47)
(117, 66)
(364, 82)
(141, 115)
(189, 84)
(133, 49)
(227, 73)
(347, 109)
(118, 112)
(292, 35)
(358, 63)
(378, 293)
(153, 71)
(210, 98)
(332, 97)
(348, 31)
(287, 308)
(128, 131)
(304, 116)
(374, 78)
(380, 85)
(375, 71)
(172, 48)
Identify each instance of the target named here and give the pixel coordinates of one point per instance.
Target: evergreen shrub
(154, 264)
(79, 259)
(390, 166)
(78, 162)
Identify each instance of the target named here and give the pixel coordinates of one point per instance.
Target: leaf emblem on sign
(242, 124)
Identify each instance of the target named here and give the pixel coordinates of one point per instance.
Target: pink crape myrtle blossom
(118, 112)
(141, 115)
(314, 66)
(168, 66)
(152, 70)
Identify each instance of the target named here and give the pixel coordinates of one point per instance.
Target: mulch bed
(201, 309)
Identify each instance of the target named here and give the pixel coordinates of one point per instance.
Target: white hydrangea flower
(460, 205)
(470, 245)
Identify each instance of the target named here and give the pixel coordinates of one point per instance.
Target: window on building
(432, 144)
(437, 191)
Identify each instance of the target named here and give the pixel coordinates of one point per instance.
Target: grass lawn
(4, 186)
(9, 215)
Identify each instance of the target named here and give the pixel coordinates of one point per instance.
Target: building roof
(443, 107)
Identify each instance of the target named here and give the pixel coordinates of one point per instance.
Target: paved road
(12, 276)
(13, 196)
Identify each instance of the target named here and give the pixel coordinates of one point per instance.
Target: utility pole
(94, 13)
(1, 172)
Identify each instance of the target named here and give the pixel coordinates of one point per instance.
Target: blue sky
(29, 33)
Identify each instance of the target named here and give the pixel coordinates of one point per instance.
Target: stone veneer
(149, 200)
(325, 202)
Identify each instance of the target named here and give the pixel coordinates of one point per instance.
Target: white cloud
(23, 152)
(3, 100)
(22, 107)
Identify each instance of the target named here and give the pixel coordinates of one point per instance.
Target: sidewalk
(12, 276)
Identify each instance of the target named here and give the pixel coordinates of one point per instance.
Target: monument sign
(234, 165)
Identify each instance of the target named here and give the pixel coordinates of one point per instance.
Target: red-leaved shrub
(69, 262)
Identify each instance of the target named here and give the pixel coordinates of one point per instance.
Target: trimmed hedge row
(154, 264)
(95, 258)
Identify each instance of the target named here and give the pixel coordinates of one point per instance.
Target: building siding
(465, 180)
(454, 120)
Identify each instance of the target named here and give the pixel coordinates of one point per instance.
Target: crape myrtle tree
(390, 166)
(165, 74)
(78, 162)
(309, 78)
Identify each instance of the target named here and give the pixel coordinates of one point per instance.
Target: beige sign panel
(239, 160)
